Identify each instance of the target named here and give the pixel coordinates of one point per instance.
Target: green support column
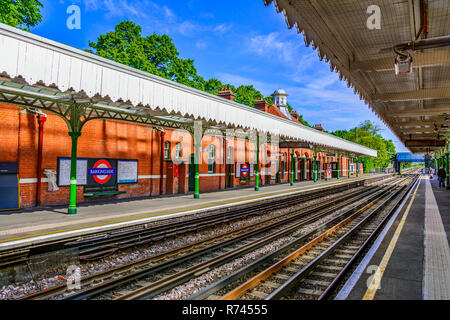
(338, 160)
(315, 167)
(348, 167)
(357, 168)
(447, 184)
(73, 173)
(292, 167)
(257, 165)
(197, 174)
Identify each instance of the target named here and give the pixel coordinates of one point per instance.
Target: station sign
(245, 171)
(102, 172)
(328, 172)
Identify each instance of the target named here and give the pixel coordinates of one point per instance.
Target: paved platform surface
(412, 261)
(42, 222)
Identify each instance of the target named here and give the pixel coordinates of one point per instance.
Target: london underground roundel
(245, 170)
(102, 171)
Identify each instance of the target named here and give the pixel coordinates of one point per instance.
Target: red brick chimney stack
(261, 104)
(226, 93)
(294, 115)
(318, 127)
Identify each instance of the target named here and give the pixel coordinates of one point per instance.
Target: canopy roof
(39, 72)
(416, 105)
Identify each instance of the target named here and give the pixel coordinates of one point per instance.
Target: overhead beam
(428, 122)
(424, 130)
(420, 112)
(424, 143)
(424, 94)
(420, 59)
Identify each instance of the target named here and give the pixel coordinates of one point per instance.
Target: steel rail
(104, 244)
(253, 282)
(328, 291)
(162, 285)
(286, 287)
(292, 217)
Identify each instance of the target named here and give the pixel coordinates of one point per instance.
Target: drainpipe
(161, 169)
(225, 165)
(151, 162)
(41, 121)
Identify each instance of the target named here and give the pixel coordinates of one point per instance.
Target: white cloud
(274, 45)
(237, 80)
(201, 44)
(222, 28)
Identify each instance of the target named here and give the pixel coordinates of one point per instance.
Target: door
(229, 175)
(9, 186)
(191, 174)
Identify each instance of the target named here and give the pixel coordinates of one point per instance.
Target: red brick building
(156, 153)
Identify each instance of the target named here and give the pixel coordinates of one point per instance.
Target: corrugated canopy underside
(416, 106)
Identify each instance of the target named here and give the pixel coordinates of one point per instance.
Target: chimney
(318, 127)
(226, 93)
(261, 104)
(294, 115)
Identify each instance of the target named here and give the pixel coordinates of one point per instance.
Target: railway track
(314, 270)
(161, 270)
(100, 245)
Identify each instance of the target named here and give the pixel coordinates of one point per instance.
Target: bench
(92, 191)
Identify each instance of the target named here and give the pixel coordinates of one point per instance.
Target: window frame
(166, 150)
(211, 159)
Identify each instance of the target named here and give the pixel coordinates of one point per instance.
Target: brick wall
(114, 139)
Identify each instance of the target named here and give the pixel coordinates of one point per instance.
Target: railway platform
(32, 226)
(410, 260)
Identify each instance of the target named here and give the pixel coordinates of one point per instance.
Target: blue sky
(238, 42)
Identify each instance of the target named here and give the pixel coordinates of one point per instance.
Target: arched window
(178, 150)
(283, 162)
(211, 158)
(230, 155)
(167, 150)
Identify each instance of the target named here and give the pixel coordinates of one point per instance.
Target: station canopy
(43, 74)
(415, 104)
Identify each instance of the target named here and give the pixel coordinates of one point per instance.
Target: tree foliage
(157, 54)
(21, 14)
(367, 135)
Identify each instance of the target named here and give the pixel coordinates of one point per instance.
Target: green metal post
(338, 175)
(348, 167)
(257, 165)
(357, 168)
(315, 167)
(196, 169)
(73, 174)
(447, 184)
(292, 167)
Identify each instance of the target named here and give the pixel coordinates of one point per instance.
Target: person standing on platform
(431, 172)
(441, 176)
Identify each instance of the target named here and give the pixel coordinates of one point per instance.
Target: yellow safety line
(376, 280)
(164, 213)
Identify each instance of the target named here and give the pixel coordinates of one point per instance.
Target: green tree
(367, 135)
(21, 14)
(155, 53)
(247, 95)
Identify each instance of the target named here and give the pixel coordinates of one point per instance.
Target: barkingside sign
(102, 172)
